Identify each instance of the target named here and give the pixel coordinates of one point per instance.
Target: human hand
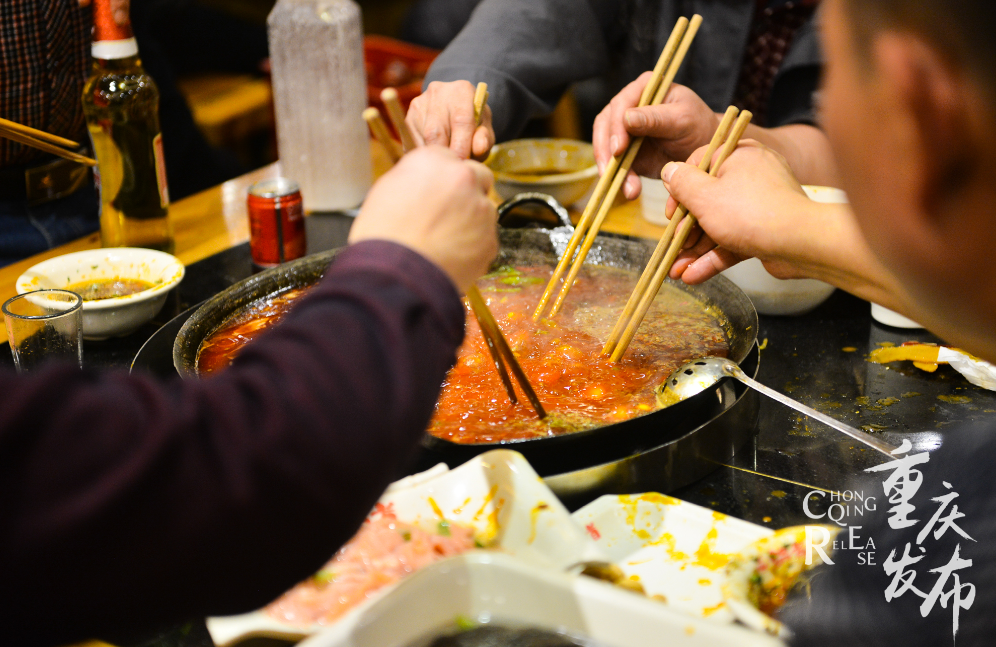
(673, 130)
(755, 207)
(436, 204)
(119, 9)
(444, 115)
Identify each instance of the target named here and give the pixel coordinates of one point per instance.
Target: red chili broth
(579, 388)
(220, 348)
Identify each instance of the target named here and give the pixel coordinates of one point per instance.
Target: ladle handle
(856, 434)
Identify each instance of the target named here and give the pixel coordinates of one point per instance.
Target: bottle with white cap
(121, 106)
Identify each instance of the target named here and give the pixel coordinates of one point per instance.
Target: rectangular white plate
(673, 548)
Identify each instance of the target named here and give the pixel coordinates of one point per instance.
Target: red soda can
(276, 222)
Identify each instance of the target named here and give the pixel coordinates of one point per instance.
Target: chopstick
(380, 132)
(397, 116)
(501, 352)
(37, 134)
(496, 342)
(662, 246)
(680, 226)
(43, 141)
(481, 95)
(619, 166)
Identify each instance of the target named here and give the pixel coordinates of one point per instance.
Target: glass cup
(44, 325)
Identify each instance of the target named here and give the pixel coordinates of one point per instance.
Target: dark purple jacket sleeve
(126, 503)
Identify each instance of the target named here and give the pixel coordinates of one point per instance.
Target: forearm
(207, 497)
(829, 246)
(805, 148)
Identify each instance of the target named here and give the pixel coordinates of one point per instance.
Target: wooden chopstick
(37, 134)
(495, 336)
(486, 319)
(481, 95)
(380, 132)
(397, 116)
(624, 168)
(681, 231)
(34, 142)
(501, 352)
(664, 243)
(615, 172)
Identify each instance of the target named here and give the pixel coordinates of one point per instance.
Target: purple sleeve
(126, 503)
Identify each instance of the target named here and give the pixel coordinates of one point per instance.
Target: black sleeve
(128, 503)
(528, 52)
(793, 95)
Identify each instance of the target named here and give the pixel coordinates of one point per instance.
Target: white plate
(674, 548)
(497, 493)
(493, 587)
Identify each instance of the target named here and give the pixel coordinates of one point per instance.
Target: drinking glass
(44, 325)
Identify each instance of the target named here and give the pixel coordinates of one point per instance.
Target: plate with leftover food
(495, 502)
(677, 551)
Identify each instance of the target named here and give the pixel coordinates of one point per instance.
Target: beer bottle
(121, 105)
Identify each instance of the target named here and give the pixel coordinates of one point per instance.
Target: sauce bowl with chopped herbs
(122, 287)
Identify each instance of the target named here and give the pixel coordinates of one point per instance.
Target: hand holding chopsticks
(673, 240)
(618, 168)
(43, 141)
(501, 353)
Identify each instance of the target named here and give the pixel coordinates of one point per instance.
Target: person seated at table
(46, 201)
(761, 55)
(129, 504)
(909, 106)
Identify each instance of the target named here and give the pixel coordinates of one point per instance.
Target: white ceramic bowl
(116, 316)
(653, 200)
(772, 296)
(563, 168)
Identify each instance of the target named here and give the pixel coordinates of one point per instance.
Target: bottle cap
(111, 49)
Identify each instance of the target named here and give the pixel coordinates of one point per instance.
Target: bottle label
(157, 147)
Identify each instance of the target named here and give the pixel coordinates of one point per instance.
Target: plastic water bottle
(319, 93)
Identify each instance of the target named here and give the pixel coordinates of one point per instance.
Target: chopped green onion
(521, 280)
(323, 577)
(444, 528)
(465, 623)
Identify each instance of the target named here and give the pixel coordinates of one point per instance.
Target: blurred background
(209, 58)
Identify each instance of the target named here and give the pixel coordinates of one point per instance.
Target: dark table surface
(819, 359)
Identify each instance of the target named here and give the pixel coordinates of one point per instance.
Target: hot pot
(661, 450)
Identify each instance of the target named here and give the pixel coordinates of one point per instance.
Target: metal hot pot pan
(660, 450)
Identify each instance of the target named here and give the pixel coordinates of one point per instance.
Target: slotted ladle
(700, 374)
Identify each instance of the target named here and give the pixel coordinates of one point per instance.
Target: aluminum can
(276, 222)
